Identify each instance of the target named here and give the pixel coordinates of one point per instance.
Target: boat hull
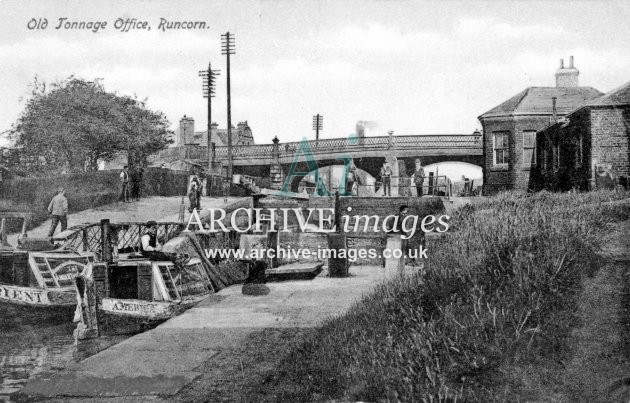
(116, 316)
(17, 314)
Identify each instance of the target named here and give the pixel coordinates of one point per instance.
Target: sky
(414, 67)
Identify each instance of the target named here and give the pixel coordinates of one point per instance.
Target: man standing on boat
(58, 208)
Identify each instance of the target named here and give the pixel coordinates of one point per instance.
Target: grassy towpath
(599, 369)
(526, 298)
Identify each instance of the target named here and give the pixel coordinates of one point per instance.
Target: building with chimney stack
(186, 135)
(588, 148)
(509, 141)
(190, 148)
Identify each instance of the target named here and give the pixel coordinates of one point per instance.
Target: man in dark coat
(133, 183)
(418, 177)
(58, 209)
(124, 180)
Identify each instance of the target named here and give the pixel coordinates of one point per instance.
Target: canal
(31, 345)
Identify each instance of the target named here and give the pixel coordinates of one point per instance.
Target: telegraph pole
(318, 124)
(208, 78)
(228, 48)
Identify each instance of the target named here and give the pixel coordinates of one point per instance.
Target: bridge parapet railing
(345, 144)
(460, 141)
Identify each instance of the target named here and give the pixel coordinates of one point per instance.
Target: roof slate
(221, 141)
(618, 96)
(537, 101)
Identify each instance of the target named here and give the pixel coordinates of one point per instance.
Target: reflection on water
(35, 346)
(20, 359)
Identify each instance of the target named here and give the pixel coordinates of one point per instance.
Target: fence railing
(87, 237)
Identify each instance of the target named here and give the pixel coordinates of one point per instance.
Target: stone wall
(370, 206)
(610, 131)
(604, 133)
(384, 206)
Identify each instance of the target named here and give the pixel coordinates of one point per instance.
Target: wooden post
(3, 233)
(106, 247)
(337, 214)
(87, 303)
(394, 242)
(24, 226)
(338, 266)
(182, 207)
(84, 239)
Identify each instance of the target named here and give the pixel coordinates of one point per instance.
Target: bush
(499, 290)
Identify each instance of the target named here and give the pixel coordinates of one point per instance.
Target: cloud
(109, 48)
(376, 39)
(410, 75)
(491, 28)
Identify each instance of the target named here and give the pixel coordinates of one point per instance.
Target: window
(556, 155)
(500, 147)
(529, 147)
(579, 152)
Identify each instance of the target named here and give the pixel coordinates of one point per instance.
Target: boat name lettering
(20, 295)
(126, 306)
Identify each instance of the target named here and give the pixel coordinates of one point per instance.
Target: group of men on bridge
(386, 178)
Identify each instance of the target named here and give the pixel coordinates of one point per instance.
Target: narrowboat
(136, 290)
(36, 276)
(124, 291)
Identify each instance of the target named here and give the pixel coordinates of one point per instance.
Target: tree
(71, 125)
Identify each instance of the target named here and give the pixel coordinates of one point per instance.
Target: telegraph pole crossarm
(208, 87)
(318, 124)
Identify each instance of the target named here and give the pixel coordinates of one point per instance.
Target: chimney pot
(567, 77)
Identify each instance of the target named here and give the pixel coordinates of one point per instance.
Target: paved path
(165, 359)
(148, 208)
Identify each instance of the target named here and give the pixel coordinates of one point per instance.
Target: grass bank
(498, 294)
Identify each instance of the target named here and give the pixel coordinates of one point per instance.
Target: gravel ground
(148, 208)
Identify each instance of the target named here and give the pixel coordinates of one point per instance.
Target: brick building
(509, 141)
(186, 135)
(589, 147)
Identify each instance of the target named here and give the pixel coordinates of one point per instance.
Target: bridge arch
(332, 176)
